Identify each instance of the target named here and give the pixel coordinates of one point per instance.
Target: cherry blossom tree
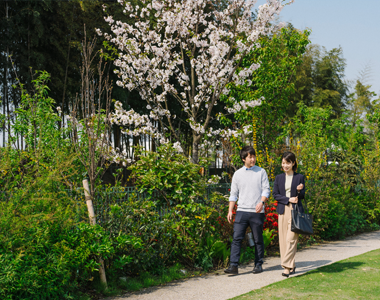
(185, 51)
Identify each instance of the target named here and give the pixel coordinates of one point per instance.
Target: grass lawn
(354, 278)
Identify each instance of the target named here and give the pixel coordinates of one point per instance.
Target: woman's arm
(276, 193)
(301, 194)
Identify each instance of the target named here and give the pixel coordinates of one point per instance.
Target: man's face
(250, 160)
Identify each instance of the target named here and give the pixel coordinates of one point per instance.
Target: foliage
(212, 250)
(268, 236)
(335, 160)
(279, 55)
(47, 250)
(46, 253)
(36, 120)
(371, 157)
(46, 147)
(168, 177)
(186, 233)
(319, 81)
(173, 228)
(360, 102)
(338, 211)
(321, 142)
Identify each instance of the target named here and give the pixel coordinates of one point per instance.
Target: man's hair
(290, 157)
(247, 150)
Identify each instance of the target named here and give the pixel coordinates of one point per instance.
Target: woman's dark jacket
(280, 195)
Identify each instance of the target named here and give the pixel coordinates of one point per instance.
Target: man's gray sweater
(248, 186)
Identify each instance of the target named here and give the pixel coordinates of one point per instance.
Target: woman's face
(287, 165)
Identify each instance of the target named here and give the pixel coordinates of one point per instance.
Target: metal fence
(105, 198)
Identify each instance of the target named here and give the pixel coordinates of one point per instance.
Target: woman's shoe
(293, 272)
(286, 274)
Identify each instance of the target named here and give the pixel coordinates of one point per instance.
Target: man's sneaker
(258, 269)
(233, 270)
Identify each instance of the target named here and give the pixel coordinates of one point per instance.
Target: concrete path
(222, 286)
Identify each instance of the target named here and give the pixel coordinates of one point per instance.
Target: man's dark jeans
(242, 221)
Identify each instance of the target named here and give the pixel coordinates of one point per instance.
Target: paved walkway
(224, 287)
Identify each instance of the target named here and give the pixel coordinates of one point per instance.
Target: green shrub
(46, 254)
(339, 210)
(175, 222)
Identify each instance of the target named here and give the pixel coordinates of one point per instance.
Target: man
(250, 185)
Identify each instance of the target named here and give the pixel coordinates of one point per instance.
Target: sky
(353, 25)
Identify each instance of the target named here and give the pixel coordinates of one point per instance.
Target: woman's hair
(246, 151)
(290, 157)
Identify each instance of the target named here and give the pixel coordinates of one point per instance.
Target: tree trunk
(91, 214)
(6, 79)
(195, 148)
(5, 99)
(116, 136)
(67, 67)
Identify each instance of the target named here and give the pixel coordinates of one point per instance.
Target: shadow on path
(302, 266)
(337, 267)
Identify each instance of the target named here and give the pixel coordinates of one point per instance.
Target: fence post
(91, 214)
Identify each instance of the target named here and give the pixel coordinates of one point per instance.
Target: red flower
(275, 216)
(275, 204)
(273, 208)
(275, 224)
(269, 215)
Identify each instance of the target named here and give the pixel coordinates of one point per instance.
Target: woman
(288, 189)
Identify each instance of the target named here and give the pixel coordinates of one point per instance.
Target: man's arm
(234, 194)
(265, 191)
(230, 210)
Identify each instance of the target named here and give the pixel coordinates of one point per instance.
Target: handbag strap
(306, 209)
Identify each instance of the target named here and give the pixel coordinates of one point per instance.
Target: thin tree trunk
(3, 102)
(195, 148)
(67, 67)
(92, 217)
(7, 98)
(117, 134)
(29, 37)
(6, 78)
(6, 95)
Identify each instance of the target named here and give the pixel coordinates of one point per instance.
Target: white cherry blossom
(187, 55)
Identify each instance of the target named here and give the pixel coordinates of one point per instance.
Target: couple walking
(250, 187)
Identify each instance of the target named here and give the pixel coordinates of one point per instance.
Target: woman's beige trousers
(288, 239)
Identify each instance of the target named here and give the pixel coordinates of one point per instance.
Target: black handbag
(302, 222)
